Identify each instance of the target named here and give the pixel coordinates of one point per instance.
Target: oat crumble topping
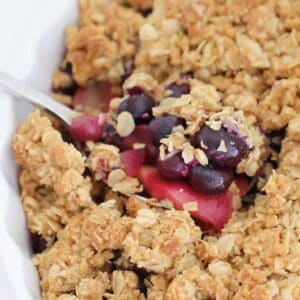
(223, 69)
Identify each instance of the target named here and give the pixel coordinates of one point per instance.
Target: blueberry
(162, 126)
(111, 137)
(152, 154)
(38, 243)
(140, 106)
(209, 180)
(209, 140)
(172, 168)
(179, 89)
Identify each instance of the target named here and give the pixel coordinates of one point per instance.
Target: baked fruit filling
(194, 163)
(178, 177)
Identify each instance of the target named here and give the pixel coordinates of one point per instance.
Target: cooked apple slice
(213, 209)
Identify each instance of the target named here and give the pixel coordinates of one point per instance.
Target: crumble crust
(244, 57)
(256, 254)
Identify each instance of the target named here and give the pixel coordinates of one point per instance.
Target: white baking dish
(31, 47)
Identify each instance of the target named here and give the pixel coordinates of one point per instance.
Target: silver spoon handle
(19, 89)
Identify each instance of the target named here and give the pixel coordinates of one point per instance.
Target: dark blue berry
(209, 180)
(209, 140)
(140, 106)
(179, 89)
(152, 154)
(111, 137)
(162, 126)
(172, 168)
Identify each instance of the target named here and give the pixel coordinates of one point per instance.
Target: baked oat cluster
(180, 175)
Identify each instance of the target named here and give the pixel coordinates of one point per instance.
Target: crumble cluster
(102, 241)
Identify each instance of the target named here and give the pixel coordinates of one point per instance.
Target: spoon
(20, 89)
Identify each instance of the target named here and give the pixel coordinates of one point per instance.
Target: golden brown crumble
(256, 255)
(52, 162)
(245, 65)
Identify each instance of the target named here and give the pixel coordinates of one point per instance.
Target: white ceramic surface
(31, 46)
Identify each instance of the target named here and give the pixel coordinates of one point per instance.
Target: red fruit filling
(141, 135)
(132, 161)
(212, 209)
(210, 193)
(88, 128)
(97, 96)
